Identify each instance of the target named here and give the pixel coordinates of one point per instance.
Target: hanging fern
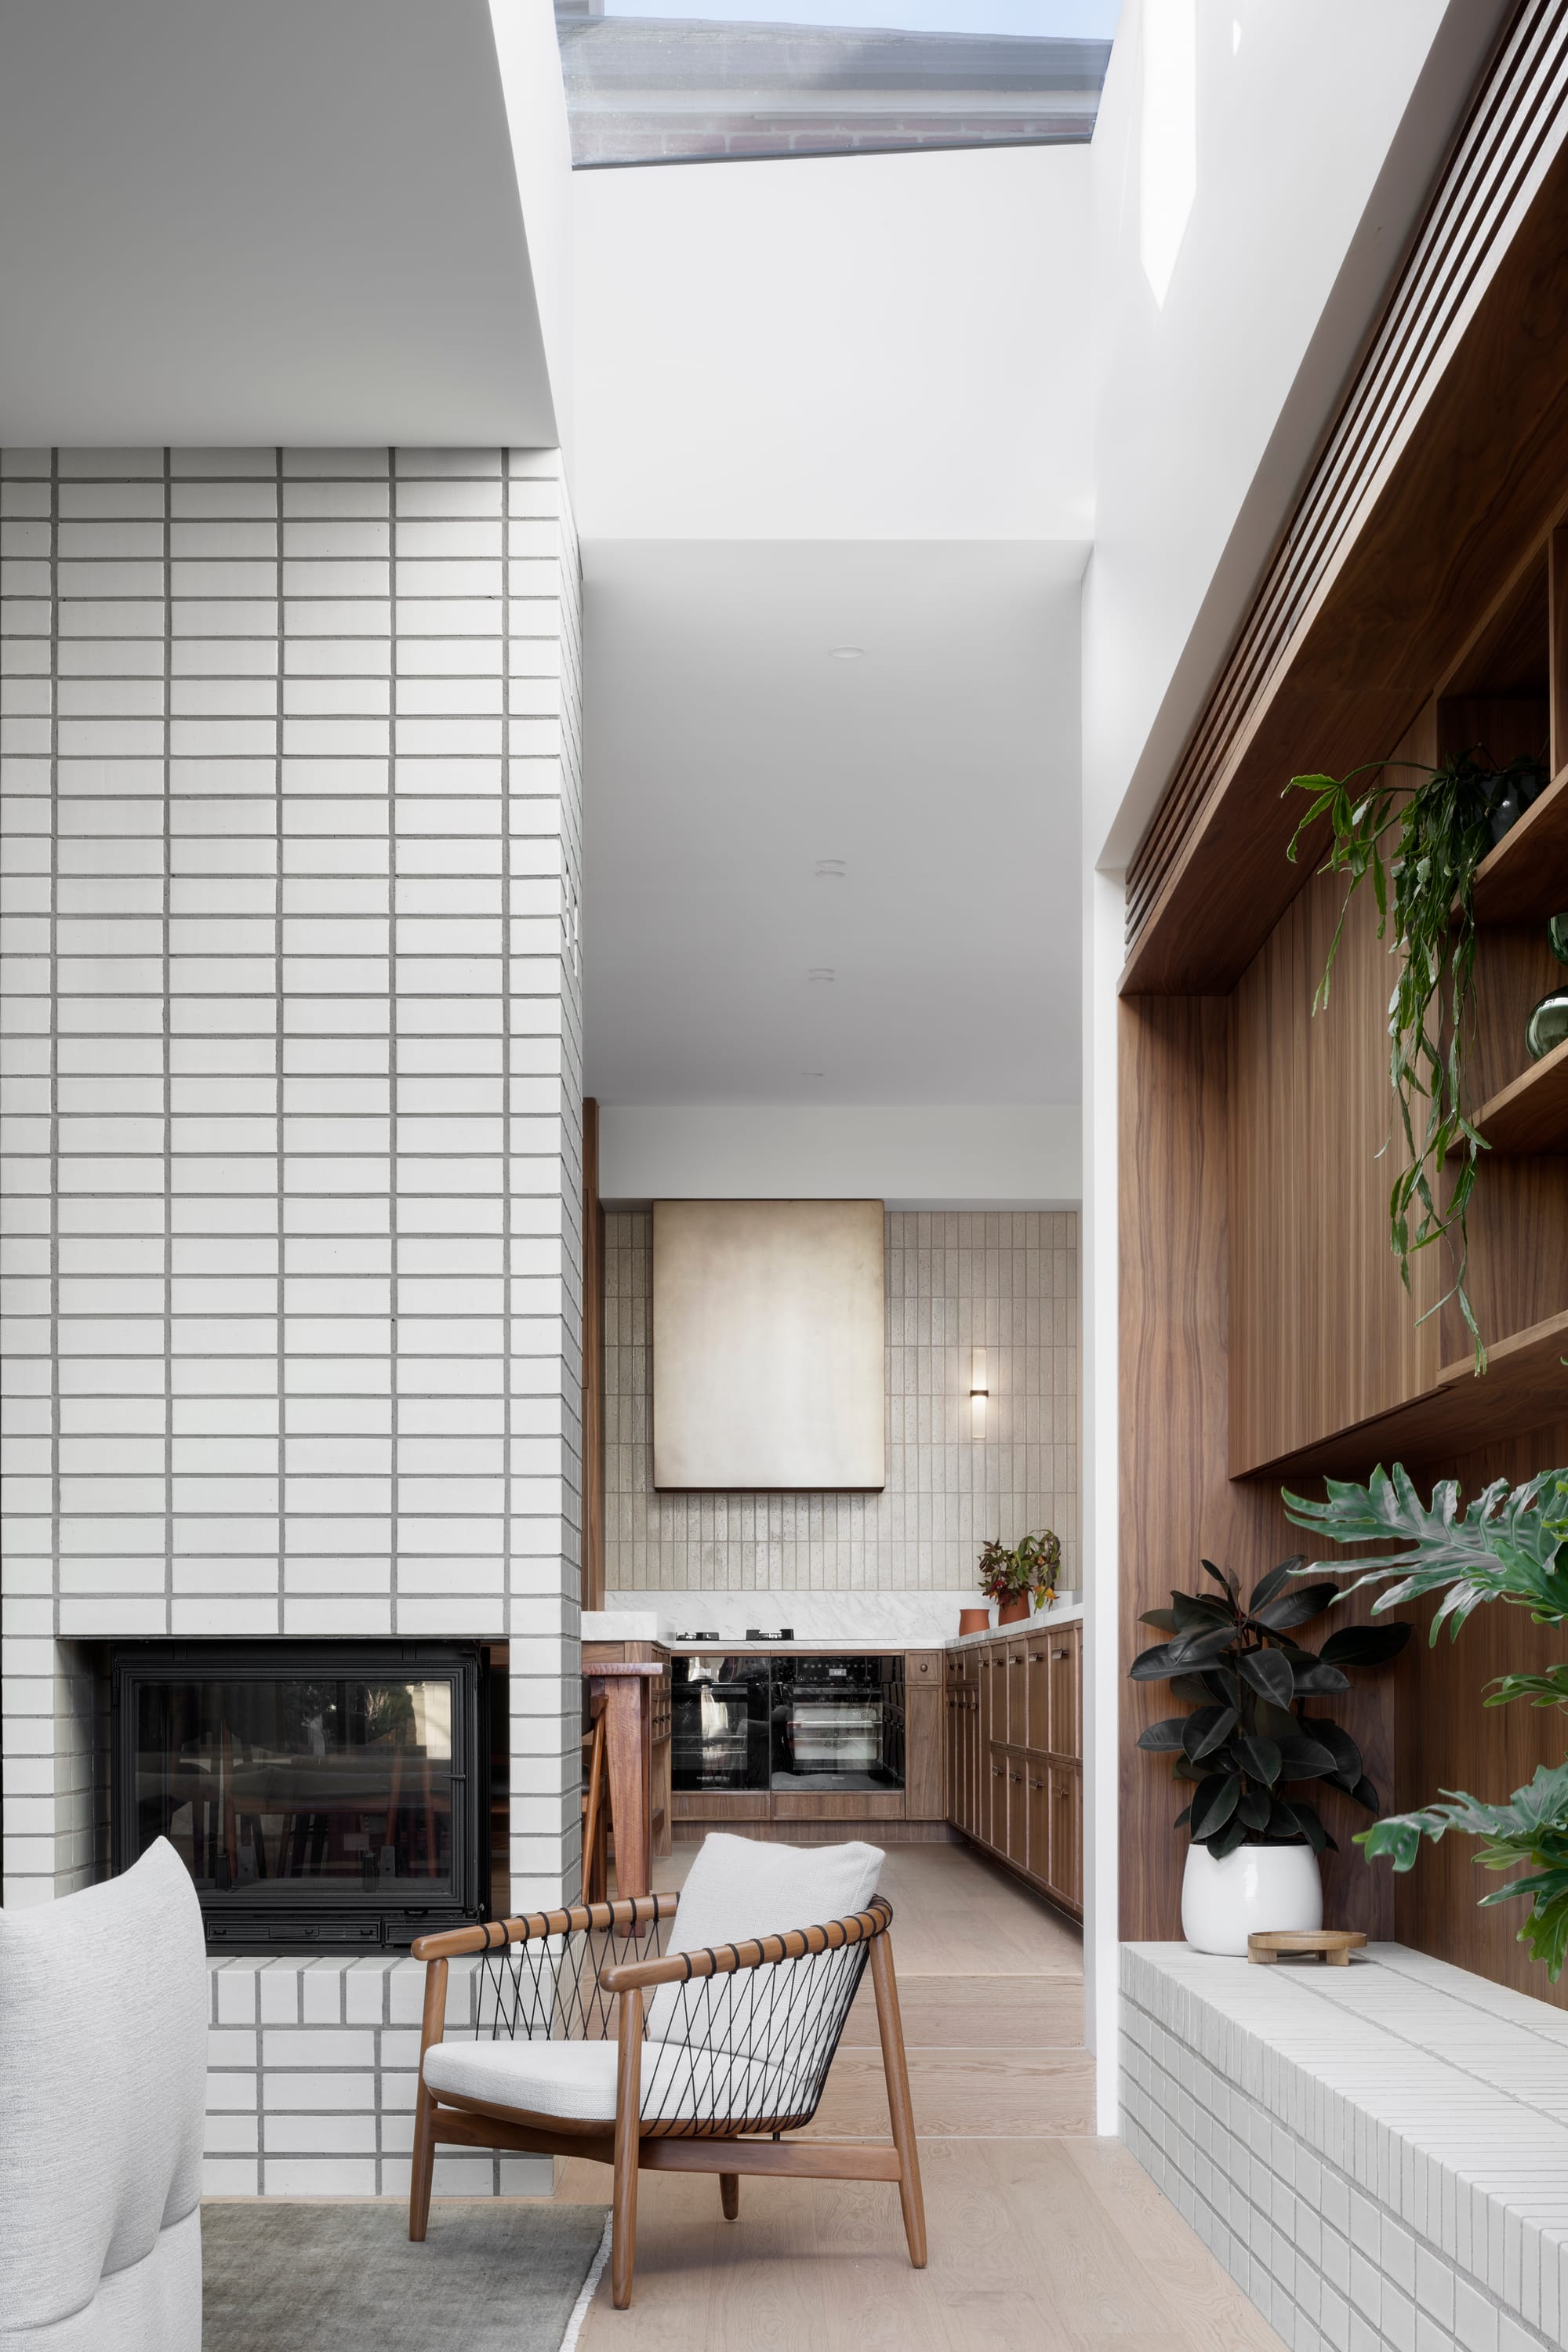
(1444, 831)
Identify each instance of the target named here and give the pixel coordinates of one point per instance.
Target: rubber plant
(1508, 1545)
(1426, 879)
(1239, 1667)
(1026, 1572)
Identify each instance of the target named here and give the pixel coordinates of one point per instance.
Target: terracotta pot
(1012, 1613)
(974, 1620)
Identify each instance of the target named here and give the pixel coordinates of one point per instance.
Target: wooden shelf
(1525, 1387)
(1530, 1115)
(1525, 880)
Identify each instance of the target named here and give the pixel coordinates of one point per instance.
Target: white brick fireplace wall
(291, 1062)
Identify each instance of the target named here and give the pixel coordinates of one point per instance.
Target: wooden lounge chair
(633, 2033)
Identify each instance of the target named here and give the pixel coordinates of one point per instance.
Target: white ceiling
(727, 752)
(239, 221)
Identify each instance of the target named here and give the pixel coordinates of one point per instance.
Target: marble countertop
(1068, 1611)
(643, 1625)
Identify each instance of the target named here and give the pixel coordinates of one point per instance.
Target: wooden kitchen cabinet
(1017, 1848)
(1014, 1779)
(1013, 1675)
(1066, 1714)
(923, 1714)
(1066, 1794)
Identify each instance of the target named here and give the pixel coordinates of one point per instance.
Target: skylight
(727, 80)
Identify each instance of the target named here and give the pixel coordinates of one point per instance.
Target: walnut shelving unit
(1416, 605)
(1531, 1113)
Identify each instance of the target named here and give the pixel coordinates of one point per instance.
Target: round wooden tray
(1334, 1945)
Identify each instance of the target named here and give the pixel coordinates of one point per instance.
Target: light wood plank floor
(1043, 2238)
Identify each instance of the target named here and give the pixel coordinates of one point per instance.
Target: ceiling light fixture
(844, 653)
(821, 975)
(829, 869)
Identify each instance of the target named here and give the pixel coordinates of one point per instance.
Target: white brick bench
(312, 2070)
(1378, 2154)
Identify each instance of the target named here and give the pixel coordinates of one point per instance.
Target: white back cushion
(739, 1888)
(103, 2025)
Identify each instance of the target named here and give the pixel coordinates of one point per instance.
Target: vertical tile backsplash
(956, 1279)
(292, 1072)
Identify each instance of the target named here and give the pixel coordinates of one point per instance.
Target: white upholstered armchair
(658, 2036)
(103, 2030)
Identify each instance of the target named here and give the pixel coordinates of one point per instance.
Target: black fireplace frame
(329, 1918)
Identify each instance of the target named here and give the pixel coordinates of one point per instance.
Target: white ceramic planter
(1254, 1890)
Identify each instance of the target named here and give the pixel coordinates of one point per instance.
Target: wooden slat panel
(1177, 1504)
(1366, 602)
(1323, 1334)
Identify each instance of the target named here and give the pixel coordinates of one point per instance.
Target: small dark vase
(1557, 937)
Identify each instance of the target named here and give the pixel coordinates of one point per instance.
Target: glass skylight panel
(729, 79)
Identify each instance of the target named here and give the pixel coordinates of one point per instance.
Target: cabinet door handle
(1058, 1654)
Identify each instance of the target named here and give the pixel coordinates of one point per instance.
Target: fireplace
(329, 1797)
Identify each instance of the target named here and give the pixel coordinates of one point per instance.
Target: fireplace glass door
(326, 1797)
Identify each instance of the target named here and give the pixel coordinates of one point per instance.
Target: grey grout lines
(280, 1315)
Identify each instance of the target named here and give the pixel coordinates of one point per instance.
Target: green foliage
(1530, 1831)
(1029, 1570)
(1505, 1546)
(1444, 831)
(1508, 1545)
(1237, 1665)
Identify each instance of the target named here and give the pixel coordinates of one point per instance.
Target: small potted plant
(1253, 1861)
(1021, 1578)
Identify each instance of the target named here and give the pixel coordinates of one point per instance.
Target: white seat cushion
(576, 2081)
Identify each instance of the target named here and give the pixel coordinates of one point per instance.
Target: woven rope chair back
(747, 2050)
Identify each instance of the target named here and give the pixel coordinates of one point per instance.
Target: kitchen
(821, 1687)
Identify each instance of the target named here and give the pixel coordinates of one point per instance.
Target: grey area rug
(501, 2277)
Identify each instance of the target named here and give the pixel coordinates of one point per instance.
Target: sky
(1093, 20)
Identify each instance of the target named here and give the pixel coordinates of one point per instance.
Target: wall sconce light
(979, 1389)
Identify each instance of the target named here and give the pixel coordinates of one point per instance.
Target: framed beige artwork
(769, 1323)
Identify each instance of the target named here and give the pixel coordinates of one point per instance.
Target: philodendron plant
(1505, 1546)
(1239, 1667)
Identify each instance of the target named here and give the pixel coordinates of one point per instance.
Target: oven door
(837, 1728)
(719, 1724)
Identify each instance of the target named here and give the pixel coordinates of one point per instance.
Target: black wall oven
(796, 1723)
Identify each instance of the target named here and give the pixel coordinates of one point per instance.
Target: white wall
(292, 1058)
(888, 346)
(1307, 138)
(1008, 1156)
(342, 225)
